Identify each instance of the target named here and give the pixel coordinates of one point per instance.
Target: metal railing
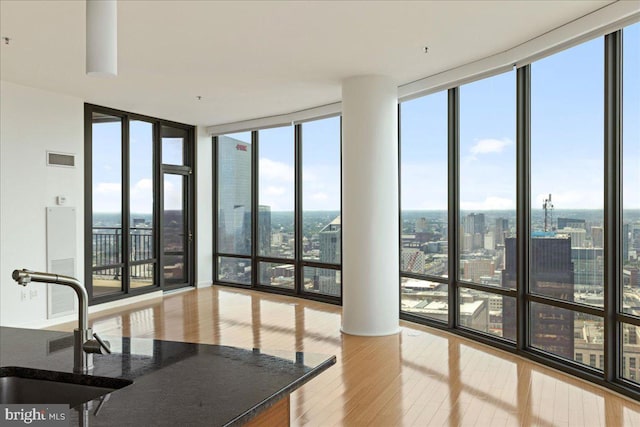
(107, 252)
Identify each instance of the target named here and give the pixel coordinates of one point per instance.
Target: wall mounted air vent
(61, 159)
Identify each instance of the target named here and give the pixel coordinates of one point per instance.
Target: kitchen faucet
(85, 342)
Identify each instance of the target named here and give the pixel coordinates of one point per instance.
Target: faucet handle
(97, 345)
(103, 344)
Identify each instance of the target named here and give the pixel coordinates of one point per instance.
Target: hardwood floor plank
(420, 377)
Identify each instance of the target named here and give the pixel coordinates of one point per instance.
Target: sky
(107, 170)
(566, 137)
(566, 155)
(320, 166)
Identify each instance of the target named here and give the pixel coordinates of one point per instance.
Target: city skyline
(562, 134)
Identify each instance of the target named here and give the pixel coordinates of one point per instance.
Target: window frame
(189, 153)
(298, 261)
(611, 374)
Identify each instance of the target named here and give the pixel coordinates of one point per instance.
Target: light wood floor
(421, 377)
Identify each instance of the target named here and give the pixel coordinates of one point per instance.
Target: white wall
(32, 122)
(204, 208)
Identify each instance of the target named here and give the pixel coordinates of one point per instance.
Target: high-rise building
(625, 242)
(327, 281)
(551, 274)
(474, 225)
(597, 237)
(264, 230)
(502, 227)
(330, 242)
(234, 196)
(489, 241)
(634, 236)
(588, 266)
(466, 242)
(571, 223)
(474, 269)
(578, 236)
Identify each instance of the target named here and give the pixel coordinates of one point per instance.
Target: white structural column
(370, 264)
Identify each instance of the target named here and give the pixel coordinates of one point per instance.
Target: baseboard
(204, 284)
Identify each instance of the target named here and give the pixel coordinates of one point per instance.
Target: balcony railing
(107, 252)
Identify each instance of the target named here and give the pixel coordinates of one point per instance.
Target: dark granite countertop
(174, 383)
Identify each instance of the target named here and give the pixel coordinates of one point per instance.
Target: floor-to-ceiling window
(321, 244)
(519, 210)
(276, 199)
(234, 238)
(487, 204)
(278, 209)
(629, 308)
(106, 186)
(567, 197)
(544, 205)
(141, 215)
(424, 259)
(176, 206)
(137, 167)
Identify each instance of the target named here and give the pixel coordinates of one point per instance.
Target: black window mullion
(453, 202)
(255, 214)
(566, 305)
(124, 123)
(612, 202)
(297, 209)
(399, 112)
(487, 289)
(400, 272)
(341, 231)
(215, 219)
(159, 200)
(88, 200)
(190, 205)
(523, 202)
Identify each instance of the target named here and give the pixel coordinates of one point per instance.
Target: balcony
(107, 263)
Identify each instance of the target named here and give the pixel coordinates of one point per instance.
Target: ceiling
(251, 59)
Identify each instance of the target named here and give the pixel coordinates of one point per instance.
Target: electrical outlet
(23, 295)
(33, 293)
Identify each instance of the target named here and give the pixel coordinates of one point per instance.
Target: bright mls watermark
(34, 415)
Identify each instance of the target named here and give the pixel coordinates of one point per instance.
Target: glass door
(177, 229)
(176, 233)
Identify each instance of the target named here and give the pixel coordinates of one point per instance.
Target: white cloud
(490, 203)
(308, 175)
(172, 196)
(320, 197)
(107, 197)
(424, 186)
(107, 188)
(142, 196)
(274, 191)
(276, 171)
(490, 145)
(143, 185)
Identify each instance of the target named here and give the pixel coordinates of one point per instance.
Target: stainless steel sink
(35, 386)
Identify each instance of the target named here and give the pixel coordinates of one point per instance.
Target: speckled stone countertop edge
(276, 397)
